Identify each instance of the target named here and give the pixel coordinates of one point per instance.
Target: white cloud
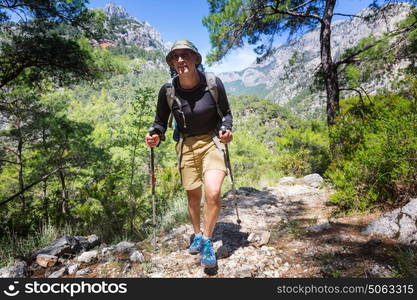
(235, 60)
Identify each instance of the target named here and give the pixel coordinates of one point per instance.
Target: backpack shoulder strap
(171, 97)
(170, 93)
(212, 88)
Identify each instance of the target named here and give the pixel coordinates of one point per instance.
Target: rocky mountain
(113, 10)
(285, 77)
(124, 29)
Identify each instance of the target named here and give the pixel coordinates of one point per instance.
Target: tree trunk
(45, 202)
(328, 67)
(28, 187)
(20, 162)
(45, 199)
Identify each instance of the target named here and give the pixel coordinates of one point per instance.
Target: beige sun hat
(183, 44)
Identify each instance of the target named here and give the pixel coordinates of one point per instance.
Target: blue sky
(182, 19)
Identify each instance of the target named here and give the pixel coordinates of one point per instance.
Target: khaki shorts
(199, 154)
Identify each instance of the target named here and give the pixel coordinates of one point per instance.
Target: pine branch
(8, 161)
(29, 186)
(359, 92)
(390, 35)
(293, 13)
(302, 5)
(350, 58)
(348, 15)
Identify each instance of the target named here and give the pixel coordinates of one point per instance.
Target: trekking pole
(152, 178)
(229, 166)
(152, 173)
(152, 182)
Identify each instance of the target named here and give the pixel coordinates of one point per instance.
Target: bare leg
(194, 200)
(213, 180)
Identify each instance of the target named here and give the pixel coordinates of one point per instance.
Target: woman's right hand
(152, 140)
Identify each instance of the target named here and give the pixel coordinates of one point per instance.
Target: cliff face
(124, 29)
(285, 77)
(113, 10)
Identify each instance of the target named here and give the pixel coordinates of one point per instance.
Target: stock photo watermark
(70, 289)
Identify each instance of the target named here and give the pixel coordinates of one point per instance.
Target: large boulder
(65, 244)
(314, 180)
(124, 246)
(288, 180)
(399, 223)
(87, 243)
(387, 225)
(87, 257)
(69, 245)
(137, 257)
(46, 260)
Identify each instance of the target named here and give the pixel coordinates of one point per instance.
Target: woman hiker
(199, 114)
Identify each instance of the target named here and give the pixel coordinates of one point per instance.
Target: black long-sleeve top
(198, 106)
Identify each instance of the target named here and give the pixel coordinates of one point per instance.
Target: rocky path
(249, 249)
(259, 246)
(286, 231)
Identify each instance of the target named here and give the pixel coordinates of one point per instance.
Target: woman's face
(184, 60)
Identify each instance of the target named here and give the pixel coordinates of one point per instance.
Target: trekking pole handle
(223, 129)
(152, 131)
(228, 164)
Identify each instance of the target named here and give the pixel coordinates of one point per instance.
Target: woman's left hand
(225, 136)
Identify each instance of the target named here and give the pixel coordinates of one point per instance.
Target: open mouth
(183, 68)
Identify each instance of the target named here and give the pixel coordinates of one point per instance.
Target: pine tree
(231, 22)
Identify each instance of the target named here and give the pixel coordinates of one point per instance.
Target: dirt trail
(286, 231)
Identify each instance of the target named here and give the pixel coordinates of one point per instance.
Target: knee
(193, 201)
(194, 196)
(213, 196)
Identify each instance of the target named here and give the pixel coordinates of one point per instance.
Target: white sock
(206, 237)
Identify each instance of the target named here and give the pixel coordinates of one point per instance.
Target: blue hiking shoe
(208, 257)
(195, 246)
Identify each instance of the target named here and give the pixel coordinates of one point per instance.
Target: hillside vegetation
(73, 157)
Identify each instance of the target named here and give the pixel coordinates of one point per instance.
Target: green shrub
(375, 152)
(176, 213)
(13, 245)
(305, 149)
(270, 142)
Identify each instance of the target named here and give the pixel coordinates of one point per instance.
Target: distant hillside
(286, 76)
(125, 30)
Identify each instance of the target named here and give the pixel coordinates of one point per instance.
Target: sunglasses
(184, 54)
